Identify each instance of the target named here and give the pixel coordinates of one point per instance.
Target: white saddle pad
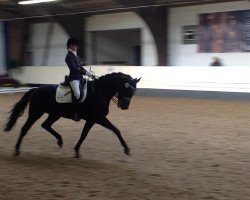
(63, 94)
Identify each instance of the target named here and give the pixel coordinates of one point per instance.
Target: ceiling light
(34, 1)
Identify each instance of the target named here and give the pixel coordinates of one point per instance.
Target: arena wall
(57, 40)
(191, 71)
(119, 21)
(57, 44)
(178, 54)
(199, 78)
(187, 54)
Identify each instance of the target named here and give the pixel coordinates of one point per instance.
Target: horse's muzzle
(124, 105)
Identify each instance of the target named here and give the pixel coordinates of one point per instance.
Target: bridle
(117, 97)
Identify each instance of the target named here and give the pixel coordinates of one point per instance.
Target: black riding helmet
(72, 41)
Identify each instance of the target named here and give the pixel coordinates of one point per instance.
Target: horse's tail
(17, 110)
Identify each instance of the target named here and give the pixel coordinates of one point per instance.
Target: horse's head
(126, 90)
(120, 85)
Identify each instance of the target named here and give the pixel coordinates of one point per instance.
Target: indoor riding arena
(173, 76)
(180, 149)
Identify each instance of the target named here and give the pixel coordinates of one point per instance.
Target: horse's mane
(115, 75)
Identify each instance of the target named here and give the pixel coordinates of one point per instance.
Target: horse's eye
(127, 85)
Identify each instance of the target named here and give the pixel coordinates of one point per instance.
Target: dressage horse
(93, 110)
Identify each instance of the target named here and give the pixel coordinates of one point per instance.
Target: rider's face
(73, 47)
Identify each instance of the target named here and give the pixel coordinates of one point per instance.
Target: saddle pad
(63, 94)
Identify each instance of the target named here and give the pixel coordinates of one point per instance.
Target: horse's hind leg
(30, 121)
(47, 126)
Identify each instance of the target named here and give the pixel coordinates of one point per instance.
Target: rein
(115, 100)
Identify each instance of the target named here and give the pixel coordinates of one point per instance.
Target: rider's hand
(90, 74)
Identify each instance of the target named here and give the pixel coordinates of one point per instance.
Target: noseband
(126, 99)
(120, 98)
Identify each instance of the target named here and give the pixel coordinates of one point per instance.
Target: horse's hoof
(60, 143)
(127, 151)
(77, 155)
(16, 153)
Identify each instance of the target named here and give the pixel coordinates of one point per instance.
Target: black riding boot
(76, 109)
(77, 104)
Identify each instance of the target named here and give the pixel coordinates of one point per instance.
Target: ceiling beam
(73, 7)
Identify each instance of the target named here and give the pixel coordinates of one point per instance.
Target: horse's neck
(107, 89)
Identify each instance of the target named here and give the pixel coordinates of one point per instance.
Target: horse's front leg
(107, 124)
(88, 125)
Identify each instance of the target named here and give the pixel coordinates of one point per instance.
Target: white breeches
(75, 85)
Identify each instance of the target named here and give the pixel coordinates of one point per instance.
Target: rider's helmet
(72, 41)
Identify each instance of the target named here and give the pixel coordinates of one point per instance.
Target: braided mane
(115, 75)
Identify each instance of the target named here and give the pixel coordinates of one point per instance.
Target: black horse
(94, 109)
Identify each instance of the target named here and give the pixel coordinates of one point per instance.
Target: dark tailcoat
(75, 66)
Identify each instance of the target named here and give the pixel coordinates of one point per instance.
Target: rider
(75, 76)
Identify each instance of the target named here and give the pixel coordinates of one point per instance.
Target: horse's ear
(136, 80)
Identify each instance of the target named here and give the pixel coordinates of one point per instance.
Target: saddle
(64, 93)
